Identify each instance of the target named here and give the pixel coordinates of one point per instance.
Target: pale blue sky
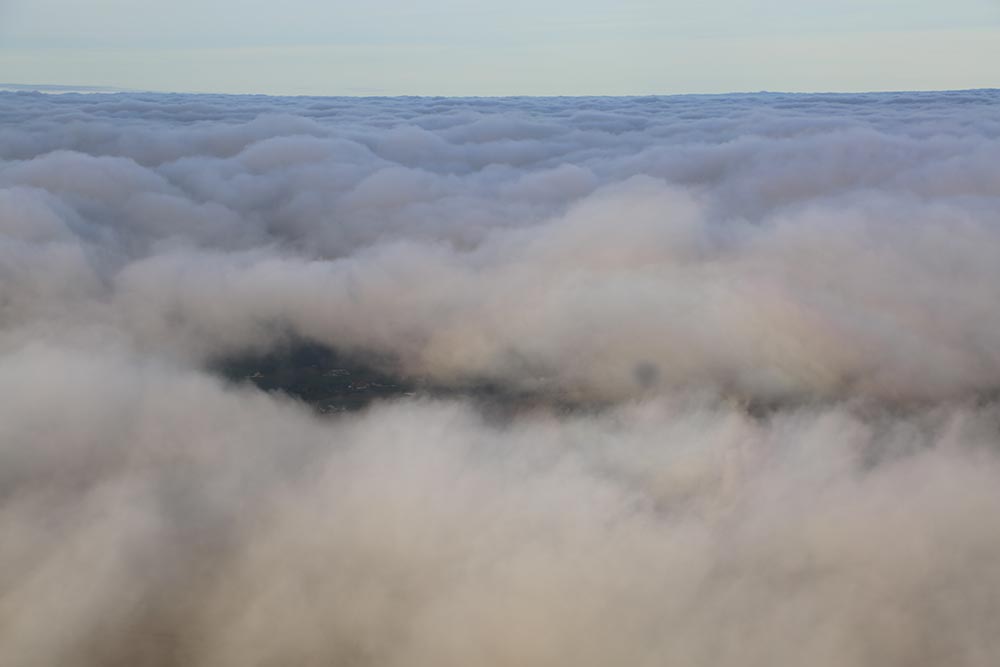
(450, 47)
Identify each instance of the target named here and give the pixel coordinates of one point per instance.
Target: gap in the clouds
(333, 381)
(327, 379)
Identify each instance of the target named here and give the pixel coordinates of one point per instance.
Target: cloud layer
(678, 261)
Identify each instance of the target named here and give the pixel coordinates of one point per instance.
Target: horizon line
(91, 89)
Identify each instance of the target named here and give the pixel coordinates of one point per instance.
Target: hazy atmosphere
(533, 334)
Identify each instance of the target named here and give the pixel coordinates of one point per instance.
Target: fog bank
(784, 305)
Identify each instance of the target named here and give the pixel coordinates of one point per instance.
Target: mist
(755, 341)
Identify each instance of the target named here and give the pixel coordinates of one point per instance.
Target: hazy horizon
(109, 90)
(544, 333)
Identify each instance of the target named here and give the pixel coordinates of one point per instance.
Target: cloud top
(779, 311)
(770, 245)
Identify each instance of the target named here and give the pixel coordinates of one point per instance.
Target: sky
(519, 47)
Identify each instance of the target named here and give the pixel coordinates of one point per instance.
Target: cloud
(770, 320)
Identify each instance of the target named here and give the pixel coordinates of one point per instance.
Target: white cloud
(784, 305)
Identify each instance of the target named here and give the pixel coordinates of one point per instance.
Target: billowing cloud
(773, 318)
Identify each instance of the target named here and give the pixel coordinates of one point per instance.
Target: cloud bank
(679, 262)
